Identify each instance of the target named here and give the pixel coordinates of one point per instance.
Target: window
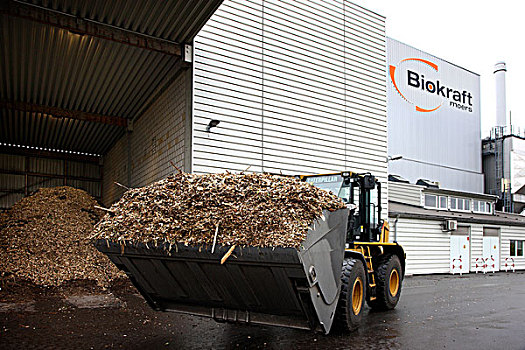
(482, 207)
(430, 201)
(516, 248)
(459, 203)
(442, 202)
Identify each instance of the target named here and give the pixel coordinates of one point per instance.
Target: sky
(472, 34)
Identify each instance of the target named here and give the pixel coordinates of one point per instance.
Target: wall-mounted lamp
(213, 123)
(391, 158)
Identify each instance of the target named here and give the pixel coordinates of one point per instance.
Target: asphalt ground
(474, 311)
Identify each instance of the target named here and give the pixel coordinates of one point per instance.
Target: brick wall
(158, 137)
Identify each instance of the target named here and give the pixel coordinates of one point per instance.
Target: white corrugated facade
(299, 87)
(405, 193)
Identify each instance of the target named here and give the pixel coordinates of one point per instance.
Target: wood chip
(253, 210)
(44, 238)
(227, 255)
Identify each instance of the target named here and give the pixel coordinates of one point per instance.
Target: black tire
(350, 306)
(389, 279)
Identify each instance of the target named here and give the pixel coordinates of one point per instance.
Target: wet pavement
(435, 312)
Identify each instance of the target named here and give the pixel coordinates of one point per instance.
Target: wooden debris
(215, 239)
(121, 185)
(227, 255)
(253, 210)
(44, 238)
(102, 208)
(176, 167)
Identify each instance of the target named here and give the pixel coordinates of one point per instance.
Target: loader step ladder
(370, 268)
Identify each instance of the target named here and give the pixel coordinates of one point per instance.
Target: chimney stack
(500, 69)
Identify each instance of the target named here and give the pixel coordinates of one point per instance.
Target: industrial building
(434, 120)
(437, 203)
(504, 153)
(504, 167)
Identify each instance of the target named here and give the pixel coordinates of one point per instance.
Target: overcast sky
(472, 34)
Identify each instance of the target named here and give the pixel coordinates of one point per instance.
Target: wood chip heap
(45, 238)
(239, 209)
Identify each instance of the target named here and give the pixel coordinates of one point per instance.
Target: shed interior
(93, 92)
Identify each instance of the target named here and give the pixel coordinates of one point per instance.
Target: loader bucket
(289, 287)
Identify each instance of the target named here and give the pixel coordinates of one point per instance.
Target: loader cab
(362, 195)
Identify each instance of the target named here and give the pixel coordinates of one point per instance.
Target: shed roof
(73, 70)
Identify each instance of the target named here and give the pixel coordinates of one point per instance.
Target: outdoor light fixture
(391, 158)
(213, 123)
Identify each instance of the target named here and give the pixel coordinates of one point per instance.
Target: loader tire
(351, 299)
(388, 276)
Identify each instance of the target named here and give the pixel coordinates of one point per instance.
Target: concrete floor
(435, 312)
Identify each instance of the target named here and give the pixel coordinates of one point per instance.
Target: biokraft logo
(418, 82)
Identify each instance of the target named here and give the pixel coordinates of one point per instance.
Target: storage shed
(76, 77)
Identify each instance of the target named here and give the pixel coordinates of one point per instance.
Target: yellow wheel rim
(394, 282)
(357, 296)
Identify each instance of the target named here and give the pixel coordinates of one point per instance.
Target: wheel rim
(357, 296)
(394, 282)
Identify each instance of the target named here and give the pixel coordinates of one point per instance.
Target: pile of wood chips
(238, 209)
(45, 238)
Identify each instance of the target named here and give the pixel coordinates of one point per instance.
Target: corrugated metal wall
(428, 248)
(476, 245)
(299, 87)
(405, 193)
(23, 175)
(115, 170)
(158, 137)
(511, 233)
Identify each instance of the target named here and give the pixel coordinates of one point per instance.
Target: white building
(297, 86)
(444, 231)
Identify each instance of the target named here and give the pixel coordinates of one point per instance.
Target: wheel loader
(345, 260)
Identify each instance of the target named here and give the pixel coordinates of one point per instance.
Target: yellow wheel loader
(345, 259)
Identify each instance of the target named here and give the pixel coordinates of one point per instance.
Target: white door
(459, 254)
(491, 252)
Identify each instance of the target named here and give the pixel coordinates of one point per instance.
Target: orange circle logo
(430, 86)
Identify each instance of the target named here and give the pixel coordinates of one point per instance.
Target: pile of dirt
(238, 209)
(45, 239)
